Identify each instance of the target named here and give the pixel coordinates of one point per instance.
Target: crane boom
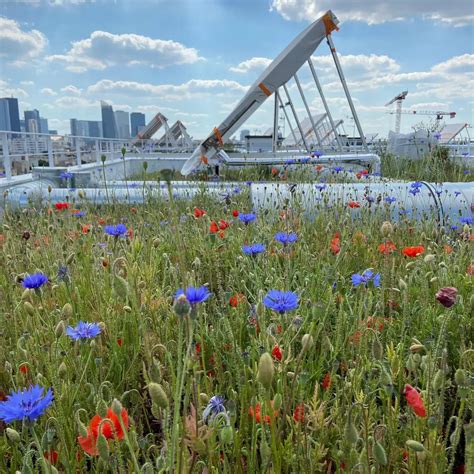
(438, 114)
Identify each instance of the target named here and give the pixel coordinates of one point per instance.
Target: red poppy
(199, 212)
(101, 221)
(353, 204)
(60, 206)
(51, 456)
(24, 369)
(414, 400)
(319, 167)
(198, 348)
(221, 234)
(413, 251)
(133, 210)
(298, 414)
(119, 342)
(364, 172)
(257, 414)
(235, 213)
(335, 243)
(213, 228)
(86, 228)
(274, 171)
(223, 225)
(276, 353)
(358, 175)
(236, 299)
(326, 383)
(110, 428)
(387, 248)
(448, 249)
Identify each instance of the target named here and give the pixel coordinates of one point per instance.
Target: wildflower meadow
(206, 336)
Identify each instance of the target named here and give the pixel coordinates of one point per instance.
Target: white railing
(22, 150)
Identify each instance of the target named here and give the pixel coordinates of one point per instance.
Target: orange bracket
(218, 136)
(265, 89)
(329, 24)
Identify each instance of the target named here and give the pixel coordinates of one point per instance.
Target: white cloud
(356, 64)
(27, 83)
(455, 64)
(192, 89)
(71, 90)
(49, 92)
(19, 45)
(102, 50)
(6, 90)
(251, 65)
(71, 102)
(458, 13)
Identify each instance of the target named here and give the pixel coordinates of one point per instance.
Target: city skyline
(63, 59)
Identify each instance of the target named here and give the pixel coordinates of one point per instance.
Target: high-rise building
(243, 134)
(4, 115)
(137, 122)
(109, 126)
(10, 107)
(95, 128)
(30, 117)
(43, 125)
(86, 128)
(122, 119)
(22, 126)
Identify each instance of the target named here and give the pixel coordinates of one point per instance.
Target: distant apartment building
(9, 114)
(137, 122)
(86, 128)
(243, 134)
(43, 125)
(109, 126)
(122, 119)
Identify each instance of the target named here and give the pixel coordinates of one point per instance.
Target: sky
(193, 60)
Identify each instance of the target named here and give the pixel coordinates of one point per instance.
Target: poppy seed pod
(386, 229)
(447, 296)
(158, 395)
(67, 311)
(265, 370)
(307, 342)
(415, 445)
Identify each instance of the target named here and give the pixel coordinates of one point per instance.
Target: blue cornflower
(291, 161)
(317, 153)
(467, 171)
(116, 230)
(214, 407)
(34, 281)
(194, 295)
(457, 193)
(236, 190)
(253, 249)
(79, 214)
(320, 187)
(365, 278)
(390, 199)
(286, 239)
(281, 301)
(416, 184)
(305, 159)
(247, 218)
(414, 191)
(370, 199)
(83, 331)
(338, 169)
(63, 273)
(466, 220)
(24, 404)
(66, 175)
(454, 227)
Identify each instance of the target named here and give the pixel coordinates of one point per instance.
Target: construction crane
(398, 99)
(439, 115)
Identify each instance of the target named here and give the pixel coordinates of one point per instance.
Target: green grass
(370, 341)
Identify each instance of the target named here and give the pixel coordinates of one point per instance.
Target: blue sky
(193, 59)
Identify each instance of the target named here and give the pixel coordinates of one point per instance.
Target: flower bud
(377, 349)
(429, 258)
(265, 370)
(277, 401)
(70, 258)
(438, 380)
(415, 445)
(59, 330)
(386, 229)
(307, 342)
(227, 435)
(379, 454)
(62, 370)
(117, 407)
(158, 395)
(181, 306)
(102, 409)
(460, 377)
(402, 284)
(350, 433)
(26, 295)
(29, 308)
(417, 348)
(127, 309)
(13, 435)
(102, 447)
(67, 311)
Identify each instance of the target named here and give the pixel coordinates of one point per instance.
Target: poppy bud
(102, 409)
(402, 284)
(415, 445)
(460, 378)
(103, 158)
(350, 433)
(156, 242)
(102, 447)
(26, 295)
(307, 342)
(49, 188)
(204, 398)
(447, 296)
(417, 348)
(277, 401)
(377, 349)
(117, 407)
(181, 306)
(67, 311)
(58, 332)
(62, 370)
(265, 370)
(158, 395)
(379, 454)
(429, 258)
(13, 435)
(227, 435)
(438, 379)
(29, 308)
(127, 309)
(386, 229)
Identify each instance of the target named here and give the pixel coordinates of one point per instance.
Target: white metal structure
(158, 121)
(176, 136)
(274, 81)
(439, 115)
(398, 100)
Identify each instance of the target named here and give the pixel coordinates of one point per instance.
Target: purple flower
(214, 407)
(366, 277)
(34, 281)
(466, 220)
(118, 230)
(253, 249)
(66, 175)
(286, 239)
(320, 187)
(83, 331)
(447, 296)
(27, 404)
(194, 295)
(390, 199)
(338, 169)
(281, 301)
(414, 191)
(247, 218)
